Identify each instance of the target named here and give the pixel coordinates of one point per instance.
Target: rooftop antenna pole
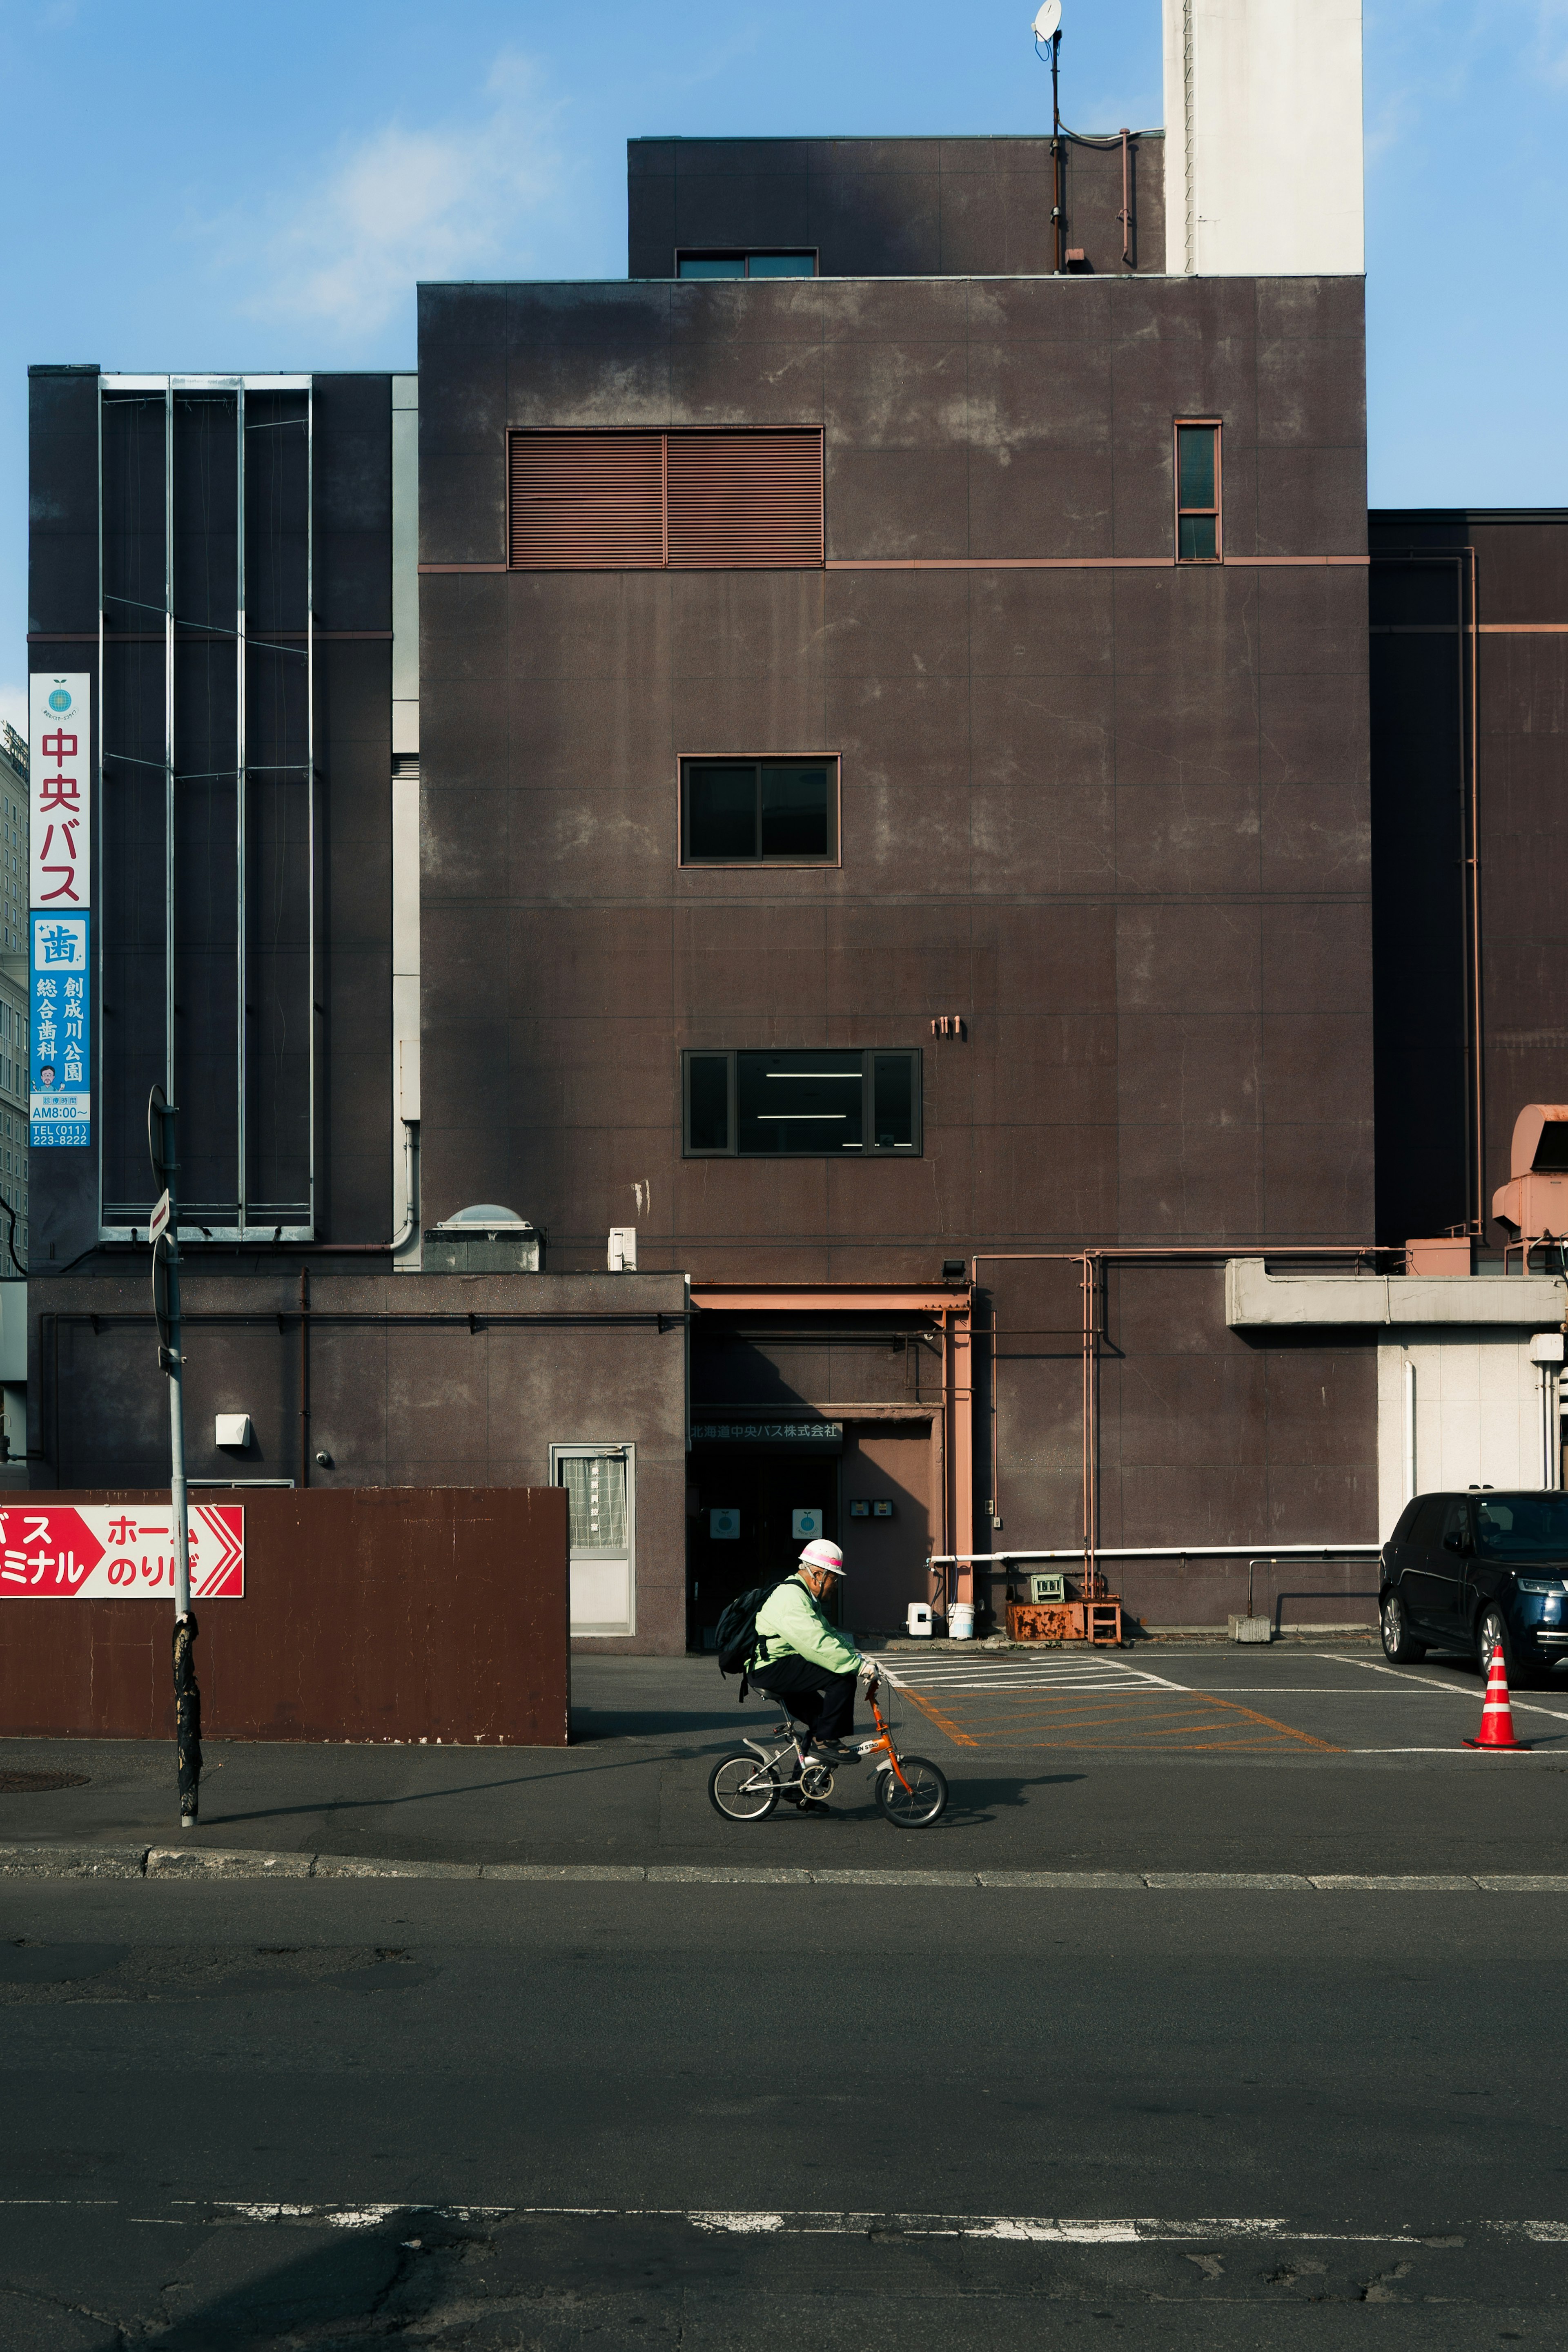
(1046, 30)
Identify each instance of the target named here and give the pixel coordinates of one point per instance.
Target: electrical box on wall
(1052, 1587)
(232, 1429)
(860, 1509)
(881, 1510)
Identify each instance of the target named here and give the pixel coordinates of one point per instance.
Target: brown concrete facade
(899, 208)
(1469, 652)
(407, 1381)
(1115, 818)
(1110, 811)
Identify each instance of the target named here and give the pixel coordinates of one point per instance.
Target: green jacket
(796, 1628)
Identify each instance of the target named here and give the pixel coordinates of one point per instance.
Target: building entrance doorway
(750, 1509)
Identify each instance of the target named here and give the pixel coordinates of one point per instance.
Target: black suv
(1469, 1571)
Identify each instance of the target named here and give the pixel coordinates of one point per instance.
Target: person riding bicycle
(803, 1660)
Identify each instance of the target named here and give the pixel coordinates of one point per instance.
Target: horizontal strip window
(665, 501)
(1198, 535)
(760, 811)
(730, 264)
(816, 1103)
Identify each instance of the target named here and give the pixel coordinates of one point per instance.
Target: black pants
(824, 1702)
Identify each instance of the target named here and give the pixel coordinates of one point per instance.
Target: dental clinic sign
(59, 896)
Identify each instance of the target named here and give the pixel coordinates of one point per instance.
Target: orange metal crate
(1098, 1622)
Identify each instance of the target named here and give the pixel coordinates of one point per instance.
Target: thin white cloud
(409, 202)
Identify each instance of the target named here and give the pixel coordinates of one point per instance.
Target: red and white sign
(104, 1551)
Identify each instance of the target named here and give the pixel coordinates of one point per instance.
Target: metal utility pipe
(1056, 222)
(304, 1377)
(1125, 214)
(1088, 1259)
(1166, 1551)
(1409, 1431)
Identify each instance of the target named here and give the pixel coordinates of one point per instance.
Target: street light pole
(165, 1236)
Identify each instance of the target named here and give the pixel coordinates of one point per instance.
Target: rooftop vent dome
(486, 1212)
(484, 1238)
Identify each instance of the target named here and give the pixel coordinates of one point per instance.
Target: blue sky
(226, 187)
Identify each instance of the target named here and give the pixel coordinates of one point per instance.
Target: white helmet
(822, 1554)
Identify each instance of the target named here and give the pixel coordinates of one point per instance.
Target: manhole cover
(27, 1784)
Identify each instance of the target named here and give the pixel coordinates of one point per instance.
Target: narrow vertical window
(710, 1111)
(1199, 539)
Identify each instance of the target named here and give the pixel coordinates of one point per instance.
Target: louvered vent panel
(744, 499)
(587, 501)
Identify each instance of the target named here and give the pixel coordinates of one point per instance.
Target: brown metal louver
(687, 502)
(587, 501)
(743, 498)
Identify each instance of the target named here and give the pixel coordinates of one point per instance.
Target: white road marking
(1092, 1672)
(1423, 1682)
(996, 2228)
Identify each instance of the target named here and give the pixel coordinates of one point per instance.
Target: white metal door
(601, 1492)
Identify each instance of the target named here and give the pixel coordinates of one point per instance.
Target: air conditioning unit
(1052, 1587)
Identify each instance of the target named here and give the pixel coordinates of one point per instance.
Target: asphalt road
(912, 2117)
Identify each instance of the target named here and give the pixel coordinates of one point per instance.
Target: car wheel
(1491, 1634)
(1400, 1646)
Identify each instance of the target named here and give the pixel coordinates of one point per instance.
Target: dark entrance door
(756, 1492)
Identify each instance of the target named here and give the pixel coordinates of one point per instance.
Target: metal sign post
(164, 1232)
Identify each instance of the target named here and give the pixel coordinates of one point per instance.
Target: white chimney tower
(1263, 171)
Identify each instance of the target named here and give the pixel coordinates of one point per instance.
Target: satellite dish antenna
(1048, 24)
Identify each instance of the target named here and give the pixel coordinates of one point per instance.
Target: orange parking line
(935, 1714)
(1156, 1722)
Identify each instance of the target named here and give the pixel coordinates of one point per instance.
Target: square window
(772, 811)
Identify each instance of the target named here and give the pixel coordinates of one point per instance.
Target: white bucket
(961, 1621)
(919, 1618)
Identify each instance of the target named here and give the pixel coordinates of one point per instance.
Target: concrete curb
(240, 1862)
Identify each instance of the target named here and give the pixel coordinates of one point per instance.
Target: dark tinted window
(721, 812)
(799, 1102)
(1522, 1526)
(745, 265)
(1428, 1529)
(796, 814)
(734, 811)
(707, 1102)
(1194, 451)
(893, 1098)
(824, 1101)
(1197, 493)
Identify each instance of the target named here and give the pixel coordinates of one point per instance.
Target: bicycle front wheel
(916, 1801)
(742, 1789)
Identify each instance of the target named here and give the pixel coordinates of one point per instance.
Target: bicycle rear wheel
(918, 1804)
(742, 1789)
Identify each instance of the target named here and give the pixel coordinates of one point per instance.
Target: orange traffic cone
(1496, 1715)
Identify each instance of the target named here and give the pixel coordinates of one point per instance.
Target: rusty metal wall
(375, 1613)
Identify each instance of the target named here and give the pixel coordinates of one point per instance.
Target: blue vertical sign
(62, 1065)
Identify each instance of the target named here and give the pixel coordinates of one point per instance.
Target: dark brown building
(860, 792)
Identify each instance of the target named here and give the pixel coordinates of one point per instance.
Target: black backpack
(736, 1637)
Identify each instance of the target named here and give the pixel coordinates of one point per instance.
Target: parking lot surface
(1216, 1701)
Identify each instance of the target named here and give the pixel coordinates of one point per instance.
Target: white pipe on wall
(1409, 1429)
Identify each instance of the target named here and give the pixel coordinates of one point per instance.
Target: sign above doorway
(820, 1436)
